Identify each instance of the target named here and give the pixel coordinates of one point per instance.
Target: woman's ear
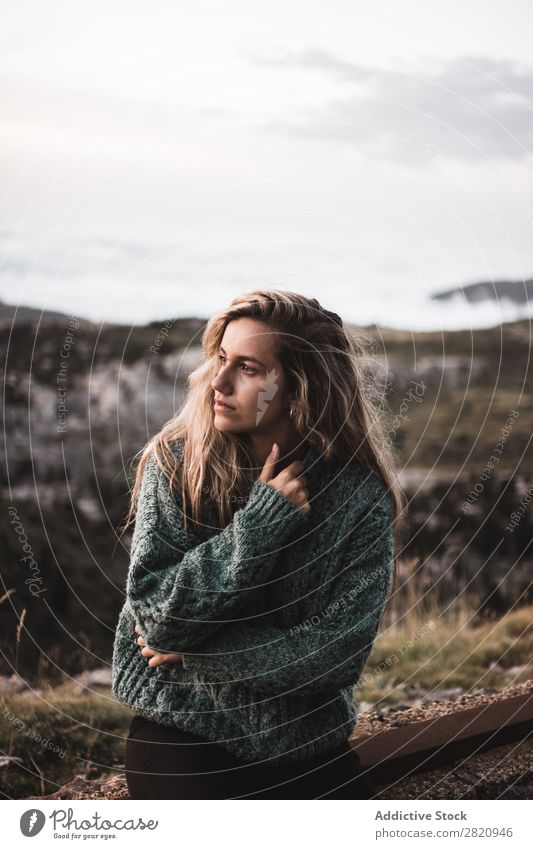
(288, 398)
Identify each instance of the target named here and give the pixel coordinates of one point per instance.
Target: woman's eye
(250, 369)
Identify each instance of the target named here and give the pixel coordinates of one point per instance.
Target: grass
(58, 735)
(91, 728)
(441, 651)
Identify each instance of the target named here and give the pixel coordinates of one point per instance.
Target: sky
(159, 159)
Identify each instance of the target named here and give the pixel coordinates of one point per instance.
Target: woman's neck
(291, 449)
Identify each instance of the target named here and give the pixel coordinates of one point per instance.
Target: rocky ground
(505, 772)
(502, 772)
(428, 706)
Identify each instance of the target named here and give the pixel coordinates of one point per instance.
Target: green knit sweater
(275, 614)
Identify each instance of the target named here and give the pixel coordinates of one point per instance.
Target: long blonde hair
(337, 408)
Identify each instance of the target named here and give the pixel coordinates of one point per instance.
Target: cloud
(473, 108)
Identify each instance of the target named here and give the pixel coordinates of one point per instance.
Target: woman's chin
(222, 426)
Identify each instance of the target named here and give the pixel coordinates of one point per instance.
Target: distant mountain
(520, 292)
(10, 313)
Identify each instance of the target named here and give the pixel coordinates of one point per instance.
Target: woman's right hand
(290, 482)
(156, 658)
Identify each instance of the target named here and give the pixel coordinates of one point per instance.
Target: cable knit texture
(275, 614)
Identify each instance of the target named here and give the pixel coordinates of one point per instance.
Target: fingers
(148, 652)
(270, 464)
(159, 659)
(295, 469)
(302, 500)
(156, 658)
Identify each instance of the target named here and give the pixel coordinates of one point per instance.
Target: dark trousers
(166, 763)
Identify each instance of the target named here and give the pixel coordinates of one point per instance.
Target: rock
(93, 678)
(514, 671)
(79, 788)
(12, 683)
(442, 695)
(414, 692)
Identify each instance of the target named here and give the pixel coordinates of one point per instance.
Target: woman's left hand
(156, 658)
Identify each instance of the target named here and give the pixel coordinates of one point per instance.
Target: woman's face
(249, 379)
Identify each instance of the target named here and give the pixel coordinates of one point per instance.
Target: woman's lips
(223, 408)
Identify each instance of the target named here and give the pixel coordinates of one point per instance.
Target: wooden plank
(392, 754)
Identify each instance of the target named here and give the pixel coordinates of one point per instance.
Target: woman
(266, 531)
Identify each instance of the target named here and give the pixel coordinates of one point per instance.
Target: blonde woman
(267, 519)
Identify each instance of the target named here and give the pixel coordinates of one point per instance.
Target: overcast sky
(158, 159)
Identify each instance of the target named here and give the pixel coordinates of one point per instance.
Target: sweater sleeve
(179, 593)
(327, 652)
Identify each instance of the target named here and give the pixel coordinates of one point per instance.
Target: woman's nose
(221, 383)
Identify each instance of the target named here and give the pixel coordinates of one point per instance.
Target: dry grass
(432, 649)
(86, 734)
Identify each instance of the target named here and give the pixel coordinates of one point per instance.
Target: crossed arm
(328, 654)
(182, 593)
